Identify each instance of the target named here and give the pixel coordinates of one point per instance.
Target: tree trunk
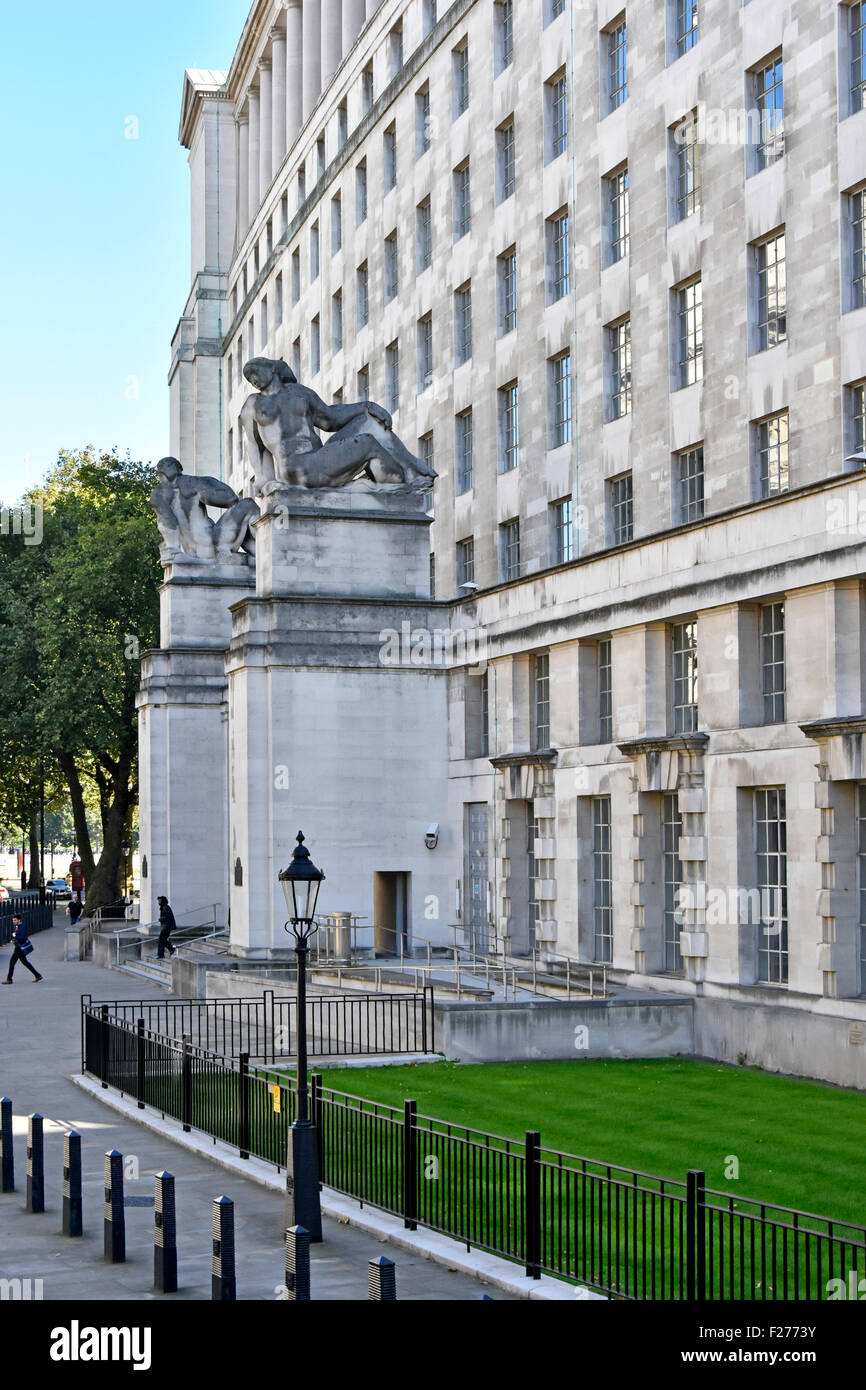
(33, 834)
(79, 816)
(103, 887)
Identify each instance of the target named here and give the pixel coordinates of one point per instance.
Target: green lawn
(799, 1144)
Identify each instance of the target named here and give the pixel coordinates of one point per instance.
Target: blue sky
(94, 238)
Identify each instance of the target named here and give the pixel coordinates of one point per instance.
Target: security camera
(473, 588)
(431, 838)
(856, 461)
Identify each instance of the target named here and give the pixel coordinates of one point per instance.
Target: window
(429, 17)
(856, 54)
(337, 321)
(362, 278)
(560, 392)
(395, 43)
(460, 79)
(361, 192)
(392, 376)
(672, 871)
(425, 453)
(509, 550)
(504, 21)
(315, 346)
(422, 122)
(621, 505)
(541, 700)
(432, 576)
(251, 340)
(320, 156)
(861, 864)
(857, 206)
(296, 275)
(505, 161)
(773, 662)
(342, 125)
(508, 428)
(690, 334)
(617, 215)
(507, 267)
(263, 322)
(389, 158)
(563, 531)
(423, 236)
(559, 256)
(558, 108)
(296, 358)
(687, 163)
(463, 452)
(855, 397)
(284, 213)
(617, 65)
(465, 562)
(485, 714)
(336, 224)
(772, 451)
(302, 185)
(684, 677)
(771, 843)
(462, 324)
(367, 88)
(771, 325)
(392, 271)
(314, 252)
(602, 880)
(278, 303)
(461, 201)
(605, 692)
(619, 369)
(557, 7)
(687, 26)
(690, 481)
(364, 384)
(425, 352)
(770, 144)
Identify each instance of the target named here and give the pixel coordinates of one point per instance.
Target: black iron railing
(624, 1233)
(36, 916)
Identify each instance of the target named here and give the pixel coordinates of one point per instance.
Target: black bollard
(35, 1164)
(223, 1282)
(164, 1236)
(114, 1219)
(297, 1264)
(382, 1281)
(72, 1204)
(7, 1158)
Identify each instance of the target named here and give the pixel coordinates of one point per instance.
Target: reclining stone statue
(281, 423)
(181, 500)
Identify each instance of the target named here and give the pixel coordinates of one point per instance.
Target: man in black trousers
(22, 946)
(167, 926)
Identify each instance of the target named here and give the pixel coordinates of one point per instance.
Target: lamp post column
(303, 1205)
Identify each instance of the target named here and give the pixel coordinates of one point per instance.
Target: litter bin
(342, 934)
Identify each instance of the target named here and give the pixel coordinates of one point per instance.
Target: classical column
(278, 100)
(332, 38)
(265, 118)
(294, 71)
(253, 181)
(354, 18)
(243, 174)
(312, 48)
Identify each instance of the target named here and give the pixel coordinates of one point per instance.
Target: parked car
(59, 887)
(4, 893)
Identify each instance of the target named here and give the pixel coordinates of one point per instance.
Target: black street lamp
(301, 888)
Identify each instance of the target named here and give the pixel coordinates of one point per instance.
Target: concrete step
(155, 973)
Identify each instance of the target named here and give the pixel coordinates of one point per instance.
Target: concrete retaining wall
(537, 1030)
(783, 1040)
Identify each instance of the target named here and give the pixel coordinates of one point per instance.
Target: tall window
(302, 185)
(361, 192)
(857, 205)
(617, 215)
(560, 383)
(395, 40)
(505, 160)
(856, 401)
(619, 369)
(621, 504)
(557, 7)
(296, 275)
(314, 251)
(690, 479)
(432, 576)
(509, 433)
(504, 18)
(772, 322)
(342, 124)
(462, 324)
(462, 211)
(425, 352)
(687, 25)
(392, 267)
(602, 880)
(509, 549)
(466, 562)
(278, 304)
(336, 224)
(296, 358)
(687, 159)
(423, 235)
(392, 376)
(769, 102)
(429, 22)
(558, 106)
(422, 122)
(541, 700)
(507, 268)
(485, 714)
(389, 158)
(364, 384)
(771, 840)
(563, 531)
(460, 79)
(559, 256)
(617, 65)
(263, 322)
(857, 54)
(363, 294)
(337, 321)
(861, 865)
(533, 869)
(684, 677)
(320, 156)
(315, 346)
(672, 829)
(772, 455)
(425, 453)
(605, 692)
(463, 452)
(367, 87)
(773, 661)
(690, 334)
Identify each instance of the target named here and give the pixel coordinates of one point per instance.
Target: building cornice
(833, 728)
(547, 757)
(666, 743)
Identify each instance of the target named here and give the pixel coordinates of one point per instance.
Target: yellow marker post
(278, 1100)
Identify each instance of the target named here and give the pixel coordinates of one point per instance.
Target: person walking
(167, 926)
(22, 946)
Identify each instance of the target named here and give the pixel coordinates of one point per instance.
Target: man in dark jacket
(167, 926)
(20, 941)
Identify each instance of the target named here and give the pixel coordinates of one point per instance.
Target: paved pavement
(39, 1052)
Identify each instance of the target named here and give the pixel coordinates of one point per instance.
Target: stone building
(606, 266)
